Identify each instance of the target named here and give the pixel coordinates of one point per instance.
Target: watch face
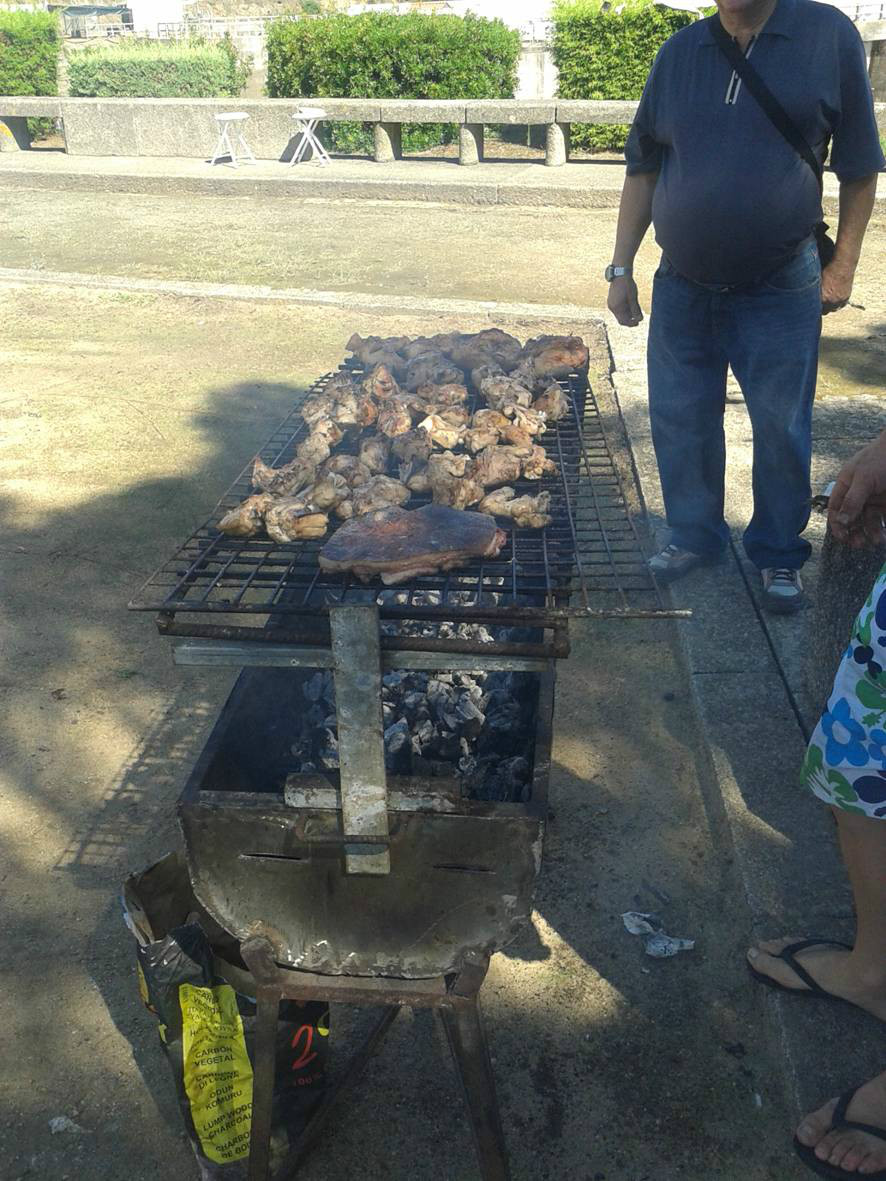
(609, 274)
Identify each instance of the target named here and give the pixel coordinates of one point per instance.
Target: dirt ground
(123, 418)
(543, 255)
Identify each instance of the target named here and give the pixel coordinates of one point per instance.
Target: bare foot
(833, 968)
(857, 1153)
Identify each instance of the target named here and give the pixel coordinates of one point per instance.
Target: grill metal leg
(267, 1006)
(467, 1041)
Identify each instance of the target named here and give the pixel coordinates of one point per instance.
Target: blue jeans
(768, 331)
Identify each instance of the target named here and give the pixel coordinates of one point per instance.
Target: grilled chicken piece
(431, 369)
(414, 446)
(343, 379)
(532, 421)
(524, 375)
(400, 545)
(317, 447)
(283, 481)
(451, 394)
(527, 512)
(247, 518)
(380, 384)
(450, 481)
(537, 464)
(556, 356)
(367, 410)
(349, 466)
(504, 394)
(375, 452)
(415, 476)
(455, 415)
(448, 463)
(489, 347)
(329, 491)
(553, 403)
(292, 519)
(374, 351)
(394, 418)
(480, 372)
(478, 438)
(497, 465)
(380, 492)
(440, 432)
(318, 408)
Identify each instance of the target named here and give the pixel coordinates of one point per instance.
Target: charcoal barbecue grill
(355, 885)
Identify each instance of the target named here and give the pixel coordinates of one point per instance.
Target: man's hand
(858, 502)
(624, 301)
(836, 286)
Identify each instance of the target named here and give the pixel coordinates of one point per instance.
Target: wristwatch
(612, 272)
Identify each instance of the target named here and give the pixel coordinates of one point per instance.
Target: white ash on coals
(477, 727)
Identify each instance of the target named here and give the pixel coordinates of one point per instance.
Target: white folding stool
(228, 122)
(306, 120)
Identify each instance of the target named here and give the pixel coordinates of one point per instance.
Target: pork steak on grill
(399, 544)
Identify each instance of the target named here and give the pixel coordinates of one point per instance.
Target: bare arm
(634, 217)
(856, 205)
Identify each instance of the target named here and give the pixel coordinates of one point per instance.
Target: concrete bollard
(557, 144)
(14, 134)
(388, 142)
(470, 143)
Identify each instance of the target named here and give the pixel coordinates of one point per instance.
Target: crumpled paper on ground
(658, 944)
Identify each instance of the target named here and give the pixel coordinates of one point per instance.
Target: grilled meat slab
(400, 545)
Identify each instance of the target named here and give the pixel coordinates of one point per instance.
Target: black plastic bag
(191, 977)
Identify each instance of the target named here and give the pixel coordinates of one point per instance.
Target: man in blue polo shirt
(734, 207)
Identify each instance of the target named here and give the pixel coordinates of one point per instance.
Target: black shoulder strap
(773, 109)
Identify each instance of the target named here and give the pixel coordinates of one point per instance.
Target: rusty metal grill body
(355, 886)
(265, 850)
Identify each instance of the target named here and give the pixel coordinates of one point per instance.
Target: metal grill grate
(588, 561)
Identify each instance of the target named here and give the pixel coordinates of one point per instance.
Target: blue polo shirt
(733, 199)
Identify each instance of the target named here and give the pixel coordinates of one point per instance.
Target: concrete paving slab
(752, 691)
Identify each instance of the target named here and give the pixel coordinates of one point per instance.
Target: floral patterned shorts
(846, 762)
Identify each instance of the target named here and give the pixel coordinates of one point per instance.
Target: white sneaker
(782, 590)
(673, 562)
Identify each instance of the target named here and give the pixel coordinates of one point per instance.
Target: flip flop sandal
(789, 955)
(840, 1122)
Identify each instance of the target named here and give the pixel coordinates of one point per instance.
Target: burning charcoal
(413, 702)
(447, 631)
(445, 678)
(470, 718)
(397, 736)
(389, 712)
(504, 719)
(510, 777)
(328, 754)
(424, 733)
(445, 746)
(450, 719)
(308, 767)
(393, 680)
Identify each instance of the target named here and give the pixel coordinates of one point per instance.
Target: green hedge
(157, 69)
(381, 55)
(607, 55)
(29, 46)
